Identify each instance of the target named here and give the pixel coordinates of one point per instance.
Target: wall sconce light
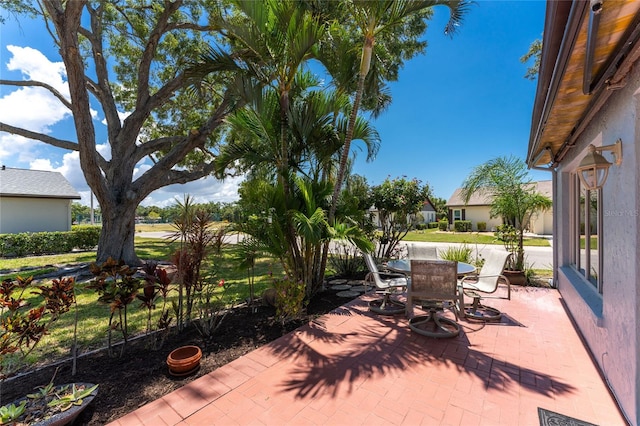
(594, 168)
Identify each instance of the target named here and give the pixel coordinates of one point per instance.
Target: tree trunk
(118, 232)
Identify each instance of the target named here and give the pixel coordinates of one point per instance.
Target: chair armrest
(477, 277)
(390, 274)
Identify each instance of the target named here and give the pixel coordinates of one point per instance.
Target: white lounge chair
(386, 283)
(485, 282)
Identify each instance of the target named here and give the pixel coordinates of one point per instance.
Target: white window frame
(584, 271)
(453, 214)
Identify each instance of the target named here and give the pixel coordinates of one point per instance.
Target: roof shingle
(35, 183)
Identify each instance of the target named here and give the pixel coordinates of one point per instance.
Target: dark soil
(141, 375)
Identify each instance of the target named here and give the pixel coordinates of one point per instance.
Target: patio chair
(386, 283)
(485, 282)
(422, 252)
(434, 285)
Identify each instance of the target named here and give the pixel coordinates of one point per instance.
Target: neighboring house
(428, 214)
(589, 93)
(34, 201)
(478, 209)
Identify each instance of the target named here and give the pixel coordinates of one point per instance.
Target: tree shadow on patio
(339, 353)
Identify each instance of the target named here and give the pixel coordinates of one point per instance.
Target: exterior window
(586, 232)
(457, 214)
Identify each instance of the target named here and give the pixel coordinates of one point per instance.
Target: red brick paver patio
(355, 367)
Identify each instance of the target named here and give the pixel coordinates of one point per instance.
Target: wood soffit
(571, 105)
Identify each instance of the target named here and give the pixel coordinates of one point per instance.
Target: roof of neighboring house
(428, 205)
(484, 199)
(572, 84)
(35, 184)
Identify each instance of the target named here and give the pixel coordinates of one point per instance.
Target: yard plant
(515, 198)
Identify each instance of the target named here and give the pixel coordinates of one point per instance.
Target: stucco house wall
(609, 321)
(480, 214)
(478, 209)
(427, 214)
(34, 215)
(34, 201)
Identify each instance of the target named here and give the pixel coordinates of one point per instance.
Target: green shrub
(443, 225)
(460, 253)
(462, 225)
(289, 298)
(346, 260)
(482, 226)
(85, 237)
(37, 243)
(432, 225)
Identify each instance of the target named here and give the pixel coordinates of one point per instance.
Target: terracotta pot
(515, 277)
(184, 360)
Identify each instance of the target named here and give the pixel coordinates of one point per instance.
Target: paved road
(535, 257)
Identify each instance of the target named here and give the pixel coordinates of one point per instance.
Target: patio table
(404, 266)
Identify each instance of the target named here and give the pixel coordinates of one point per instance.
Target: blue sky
(462, 103)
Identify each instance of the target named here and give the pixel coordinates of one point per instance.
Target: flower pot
(515, 277)
(53, 416)
(184, 360)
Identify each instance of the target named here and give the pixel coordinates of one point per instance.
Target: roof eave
(562, 20)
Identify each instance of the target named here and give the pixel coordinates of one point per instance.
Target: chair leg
(387, 306)
(434, 325)
(480, 312)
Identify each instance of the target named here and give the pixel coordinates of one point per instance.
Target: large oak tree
(130, 58)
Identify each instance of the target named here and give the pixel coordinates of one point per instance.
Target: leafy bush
(36, 243)
(443, 225)
(460, 253)
(346, 260)
(462, 225)
(482, 226)
(289, 298)
(432, 225)
(85, 237)
(421, 226)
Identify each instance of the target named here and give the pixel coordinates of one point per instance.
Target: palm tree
(377, 19)
(514, 195)
(315, 136)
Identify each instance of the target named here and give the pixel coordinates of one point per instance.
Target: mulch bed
(141, 375)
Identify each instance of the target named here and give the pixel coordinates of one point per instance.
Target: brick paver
(355, 367)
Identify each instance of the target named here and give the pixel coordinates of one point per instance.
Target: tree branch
(150, 51)
(158, 144)
(58, 143)
(32, 83)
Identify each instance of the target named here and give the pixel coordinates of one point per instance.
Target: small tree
(398, 202)
(515, 198)
(22, 326)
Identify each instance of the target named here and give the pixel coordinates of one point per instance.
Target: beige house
(426, 214)
(478, 209)
(34, 201)
(587, 107)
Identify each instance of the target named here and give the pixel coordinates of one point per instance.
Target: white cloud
(35, 66)
(201, 191)
(36, 109)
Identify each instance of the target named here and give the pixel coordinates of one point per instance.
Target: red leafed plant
(116, 286)
(22, 326)
(156, 285)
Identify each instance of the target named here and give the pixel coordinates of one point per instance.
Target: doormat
(549, 418)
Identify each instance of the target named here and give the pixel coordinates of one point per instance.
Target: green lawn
(93, 316)
(436, 236)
